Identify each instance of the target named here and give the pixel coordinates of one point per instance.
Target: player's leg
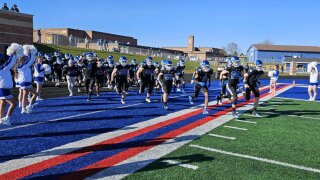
(197, 89)
(206, 99)
(232, 89)
(256, 93)
(150, 89)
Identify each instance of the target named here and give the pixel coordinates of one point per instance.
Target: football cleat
(6, 121)
(254, 113)
(234, 114)
(190, 100)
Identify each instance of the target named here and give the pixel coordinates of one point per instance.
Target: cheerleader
(39, 76)
(313, 84)
(70, 72)
(25, 77)
(274, 75)
(14, 52)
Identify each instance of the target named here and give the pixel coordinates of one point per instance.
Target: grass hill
(50, 48)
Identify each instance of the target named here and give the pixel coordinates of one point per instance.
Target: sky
(160, 23)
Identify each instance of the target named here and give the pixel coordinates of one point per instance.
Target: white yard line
(220, 136)
(266, 108)
(189, 166)
(141, 160)
(297, 99)
(237, 128)
(304, 117)
(257, 159)
(251, 122)
(271, 113)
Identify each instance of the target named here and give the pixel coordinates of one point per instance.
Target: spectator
(15, 8)
(70, 40)
(86, 41)
(104, 44)
(5, 7)
(39, 36)
(282, 69)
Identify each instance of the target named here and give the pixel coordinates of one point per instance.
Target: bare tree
(232, 49)
(266, 42)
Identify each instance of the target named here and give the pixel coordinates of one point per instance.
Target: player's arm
(139, 73)
(113, 74)
(223, 72)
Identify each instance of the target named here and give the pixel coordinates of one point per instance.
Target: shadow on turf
(104, 118)
(102, 147)
(127, 168)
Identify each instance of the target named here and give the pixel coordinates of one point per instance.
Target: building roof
(306, 60)
(263, 47)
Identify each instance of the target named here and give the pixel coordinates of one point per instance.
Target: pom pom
(29, 49)
(270, 73)
(14, 47)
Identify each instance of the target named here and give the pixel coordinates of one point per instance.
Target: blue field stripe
(297, 93)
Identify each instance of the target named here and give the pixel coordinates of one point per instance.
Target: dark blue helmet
(134, 62)
(110, 57)
(123, 60)
(235, 61)
(205, 66)
(168, 65)
(259, 63)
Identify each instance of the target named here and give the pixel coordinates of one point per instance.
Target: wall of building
(80, 35)
(276, 56)
(15, 28)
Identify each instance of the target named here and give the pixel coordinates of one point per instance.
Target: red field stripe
(37, 167)
(124, 155)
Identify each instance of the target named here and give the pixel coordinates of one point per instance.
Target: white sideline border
(129, 166)
(305, 117)
(297, 99)
(257, 158)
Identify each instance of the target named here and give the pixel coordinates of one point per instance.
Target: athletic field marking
(189, 166)
(77, 115)
(266, 108)
(257, 158)
(224, 137)
(72, 146)
(304, 117)
(298, 99)
(252, 122)
(250, 115)
(141, 160)
(271, 113)
(146, 157)
(233, 127)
